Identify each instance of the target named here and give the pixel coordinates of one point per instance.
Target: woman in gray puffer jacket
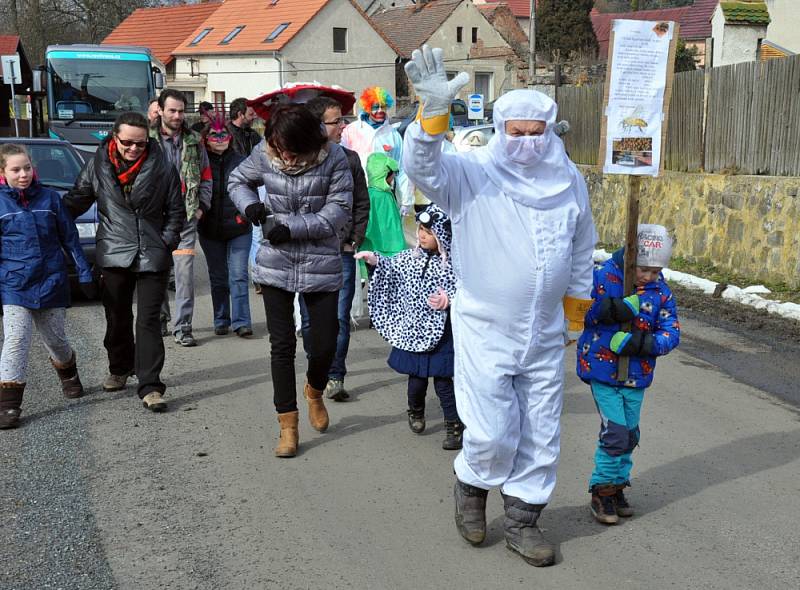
(309, 194)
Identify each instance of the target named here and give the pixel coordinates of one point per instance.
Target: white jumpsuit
(514, 265)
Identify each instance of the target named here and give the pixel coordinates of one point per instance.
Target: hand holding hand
(439, 300)
(256, 213)
(279, 234)
(427, 73)
(368, 257)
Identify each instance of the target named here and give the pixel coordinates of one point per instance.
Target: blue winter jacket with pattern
(33, 268)
(657, 315)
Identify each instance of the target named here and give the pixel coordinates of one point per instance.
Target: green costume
(385, 229)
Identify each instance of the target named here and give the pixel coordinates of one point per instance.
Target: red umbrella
(300, 93)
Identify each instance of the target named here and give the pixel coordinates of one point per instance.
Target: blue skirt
(433, 363)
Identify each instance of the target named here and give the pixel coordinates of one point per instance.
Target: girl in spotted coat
(654, 331)
(409, 301)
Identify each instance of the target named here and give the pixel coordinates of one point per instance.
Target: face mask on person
(525, 149)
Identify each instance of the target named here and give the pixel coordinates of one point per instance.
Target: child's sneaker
(621, 504)
(416, 420)
(602, 505)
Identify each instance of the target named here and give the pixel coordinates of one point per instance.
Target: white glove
(368, 257)
(426, 72)
(439, 300)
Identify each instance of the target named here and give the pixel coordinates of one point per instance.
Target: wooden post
(631, 250)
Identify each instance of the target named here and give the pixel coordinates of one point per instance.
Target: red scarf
(126, 174)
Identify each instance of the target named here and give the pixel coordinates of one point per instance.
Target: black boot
(523, 536)
(470, 512)
(621, 503)
(602, 504)
(71, 384)
(416, 420)
(10, 403)
(453, 433)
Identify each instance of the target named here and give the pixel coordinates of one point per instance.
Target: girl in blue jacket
(34, 287)
(654, 331)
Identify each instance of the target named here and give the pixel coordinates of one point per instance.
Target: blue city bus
(88, 86)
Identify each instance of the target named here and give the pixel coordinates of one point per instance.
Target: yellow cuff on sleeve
(433, 125)
(574, 310)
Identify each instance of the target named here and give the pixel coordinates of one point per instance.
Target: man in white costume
(523, 238)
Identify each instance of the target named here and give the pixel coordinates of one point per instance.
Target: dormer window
(200, 36)
(275, 33)
(230, 36)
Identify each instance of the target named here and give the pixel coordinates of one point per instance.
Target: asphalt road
(99, 493)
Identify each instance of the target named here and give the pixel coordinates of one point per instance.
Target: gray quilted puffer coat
(315, 205)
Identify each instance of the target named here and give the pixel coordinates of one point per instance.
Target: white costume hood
(546, 179)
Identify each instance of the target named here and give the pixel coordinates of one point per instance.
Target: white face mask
(525, 149)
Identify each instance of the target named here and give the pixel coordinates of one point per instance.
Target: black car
(58, 164)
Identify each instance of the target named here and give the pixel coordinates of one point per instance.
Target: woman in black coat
(225, 237)
(141, 212)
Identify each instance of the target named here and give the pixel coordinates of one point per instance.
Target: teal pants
(619, 409)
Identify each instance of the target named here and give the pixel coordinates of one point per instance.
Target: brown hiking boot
(116, 382)
(10, 403)
(621, 503)
(523, 537)
(470, 512)
(317, 414)
(602, 505)
(289, 437)
(71, 384)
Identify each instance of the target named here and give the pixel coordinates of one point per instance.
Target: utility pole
(532, 45)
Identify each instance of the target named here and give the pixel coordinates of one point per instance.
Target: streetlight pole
(532, 45)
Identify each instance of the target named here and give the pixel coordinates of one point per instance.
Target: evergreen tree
(685, 57)
(565, 26)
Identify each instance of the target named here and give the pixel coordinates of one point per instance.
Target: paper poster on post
(640, 62)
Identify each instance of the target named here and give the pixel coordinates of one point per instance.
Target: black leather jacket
(222, 221)
(139, 232)
(244, 139)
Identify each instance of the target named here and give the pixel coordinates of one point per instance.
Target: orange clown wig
(375, 95)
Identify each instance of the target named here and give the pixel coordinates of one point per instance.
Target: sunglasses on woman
(131, 143)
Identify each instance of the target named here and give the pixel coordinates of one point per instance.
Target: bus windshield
(97, 89)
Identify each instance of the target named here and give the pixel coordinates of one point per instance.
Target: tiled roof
(696, 22)
(745, 13)
(161, 29)
(601, 22)
(260, 18)
(409, 27)
(8, 44)
(520, 8)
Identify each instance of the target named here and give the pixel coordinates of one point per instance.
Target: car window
(55, 165)
(458, 109)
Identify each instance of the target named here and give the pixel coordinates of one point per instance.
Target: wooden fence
(740, 119)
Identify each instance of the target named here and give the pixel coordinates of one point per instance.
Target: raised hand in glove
(406, 210)
(632, 343)
(368, 257)
(427, 73)
(256, 213)
(89, 290)
(279, 234)
(439, 300)
(614, 310)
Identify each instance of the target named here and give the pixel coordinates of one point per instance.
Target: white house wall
(369, 60)
(734, 44)
(468, 16)
(784, 24)
(235, 75)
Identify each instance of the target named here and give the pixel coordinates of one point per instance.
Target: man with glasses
(329, 112)
(183, 149)
(141, 212)
(373, 132)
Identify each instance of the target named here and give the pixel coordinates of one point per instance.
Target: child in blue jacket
(654, 331)
(34, 287)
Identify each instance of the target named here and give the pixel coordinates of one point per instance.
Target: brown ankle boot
(71, 384)
(317, 414)
(10, 403)
(287, 444)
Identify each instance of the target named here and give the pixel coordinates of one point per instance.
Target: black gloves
(279, 234)
(89, 290)
(615, 310)
(639, 344)
(256, 213)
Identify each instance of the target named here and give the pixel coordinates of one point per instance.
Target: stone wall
(748, 224)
